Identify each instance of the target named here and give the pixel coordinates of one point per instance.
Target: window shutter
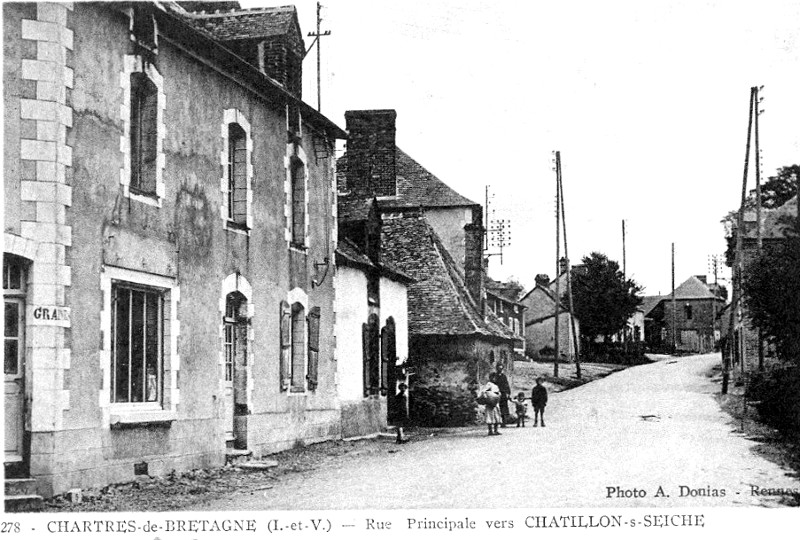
(313, 348)
(286, 340)
(384, 360)
(365, 350)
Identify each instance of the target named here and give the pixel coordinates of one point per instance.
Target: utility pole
(624, 272)
(569, 281)
(759, 229)
(624, 277)
(318, 35)
(558, 263)
(715, 261)
(674, 306)
(737, 265)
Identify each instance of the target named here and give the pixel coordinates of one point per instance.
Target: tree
(603, 299)
(771, 287)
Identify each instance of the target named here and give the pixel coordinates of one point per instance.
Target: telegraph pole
(318, 35)
(569, 281)
(736, 273)
(558, 262)
(674, 306)
(759, 228)
(624, 272)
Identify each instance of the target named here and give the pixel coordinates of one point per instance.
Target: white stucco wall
(351, 313)
(542, 334)
(394, 303)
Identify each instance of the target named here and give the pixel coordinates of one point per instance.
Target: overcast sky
(647, 102)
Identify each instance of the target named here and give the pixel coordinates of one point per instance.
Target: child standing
(521, 409)
(539, 401)
(400, 412)
(491, 395)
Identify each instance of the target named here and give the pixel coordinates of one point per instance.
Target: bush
(777, 397)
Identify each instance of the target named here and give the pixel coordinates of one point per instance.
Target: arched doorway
(235, 355)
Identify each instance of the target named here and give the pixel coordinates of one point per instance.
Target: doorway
(15, 271)
(235, 330)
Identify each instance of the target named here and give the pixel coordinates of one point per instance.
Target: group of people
(495, 398)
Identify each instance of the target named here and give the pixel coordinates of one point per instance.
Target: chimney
(562, 265)
(281, 58)
(473, 263)
(543, 280)
(371, 151)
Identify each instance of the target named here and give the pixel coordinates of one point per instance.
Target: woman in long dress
(491, 394)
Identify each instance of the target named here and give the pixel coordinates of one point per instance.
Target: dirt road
(613, 442)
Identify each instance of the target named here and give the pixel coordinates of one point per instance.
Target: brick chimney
(562, 265)
(371, 162)
(473, 260)
(543, 280)
(281, 58)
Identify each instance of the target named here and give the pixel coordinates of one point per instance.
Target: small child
(521, 409)
(539, 401)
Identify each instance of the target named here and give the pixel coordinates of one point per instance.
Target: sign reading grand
(45, 315)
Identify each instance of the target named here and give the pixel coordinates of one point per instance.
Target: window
(293, 336)
(313, 348)
(286, 346)
(137, 342)
(298, 348)
(14, 288)
(688, 312)
(237, 175)
(233, 308)
(298, 204)
(143, 134)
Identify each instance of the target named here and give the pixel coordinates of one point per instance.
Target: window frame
(298, 197)
(141, 66)
(143, 97)
(161, 295)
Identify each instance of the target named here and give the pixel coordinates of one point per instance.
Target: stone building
(169, 225)
(502, 300)
(775, 222)
(696, 328)
(540, 316)
(435, 236)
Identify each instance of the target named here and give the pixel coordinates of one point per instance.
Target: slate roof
(692, 289)
(347, 252)
(649, 303)
(502, 290)
(353, 209)
(438, 301)
(246, 24)
(416, 186)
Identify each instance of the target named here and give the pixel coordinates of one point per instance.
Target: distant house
(774, 224)
(434, 235)
(540, 316)
(371, 303)
(502, 300)
(696, 304)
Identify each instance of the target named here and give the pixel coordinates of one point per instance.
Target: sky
(646, 101)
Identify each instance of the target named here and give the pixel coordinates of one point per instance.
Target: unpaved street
(645, 427)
